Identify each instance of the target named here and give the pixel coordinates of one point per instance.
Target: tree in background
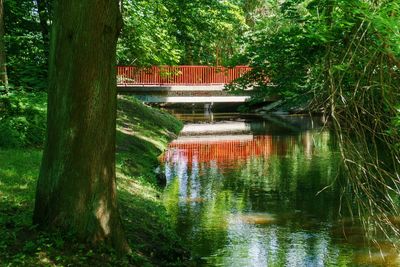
(253, 10)
(170, 32)
(26, 60)
(44, 9)
(207, 30)
(3, 65)
(147, 37)
(281, 52)
(76, 190)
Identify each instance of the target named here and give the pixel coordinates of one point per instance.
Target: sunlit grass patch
(19, 170)
(142, 134)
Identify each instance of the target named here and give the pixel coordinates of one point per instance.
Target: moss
(142, 134)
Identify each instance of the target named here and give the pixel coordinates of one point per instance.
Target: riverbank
(142, 134)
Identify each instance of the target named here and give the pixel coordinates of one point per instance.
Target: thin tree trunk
(3, 65)
(76, 189)
(44, 17)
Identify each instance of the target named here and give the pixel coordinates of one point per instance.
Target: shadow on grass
(21, 244)
(145, 219)
(142, 135)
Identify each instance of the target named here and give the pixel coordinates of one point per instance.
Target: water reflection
(243, 192)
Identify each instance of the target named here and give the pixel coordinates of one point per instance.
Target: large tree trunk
(3, 66)
(76, 190)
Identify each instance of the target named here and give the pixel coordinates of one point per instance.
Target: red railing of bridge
(179, 75)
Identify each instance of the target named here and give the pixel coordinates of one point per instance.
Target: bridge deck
(180, 84)
(192, 99)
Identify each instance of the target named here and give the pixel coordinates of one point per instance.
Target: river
(261, 191)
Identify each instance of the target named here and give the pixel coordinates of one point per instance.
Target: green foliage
(146, 37)
(207, 30)
(159, 32)
(394, 130)
(26, 60)
(22, 119)
(282, 53)
(300, 43)
(170, 32)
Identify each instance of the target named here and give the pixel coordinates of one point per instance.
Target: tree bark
(76, 190)
(3, 63)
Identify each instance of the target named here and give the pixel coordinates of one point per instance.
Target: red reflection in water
(226, 150)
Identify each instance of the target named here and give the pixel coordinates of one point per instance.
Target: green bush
(22, 119)
(13, 132)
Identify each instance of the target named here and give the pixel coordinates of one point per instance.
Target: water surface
(248, 191)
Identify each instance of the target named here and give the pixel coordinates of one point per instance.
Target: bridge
(180, 84)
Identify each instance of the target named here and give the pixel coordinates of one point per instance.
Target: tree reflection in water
(251, 199)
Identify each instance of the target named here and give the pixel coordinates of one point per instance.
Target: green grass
(142, 134)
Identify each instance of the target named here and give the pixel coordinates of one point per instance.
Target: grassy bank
(142, 135)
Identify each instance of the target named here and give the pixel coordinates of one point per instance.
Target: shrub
(22, 119)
